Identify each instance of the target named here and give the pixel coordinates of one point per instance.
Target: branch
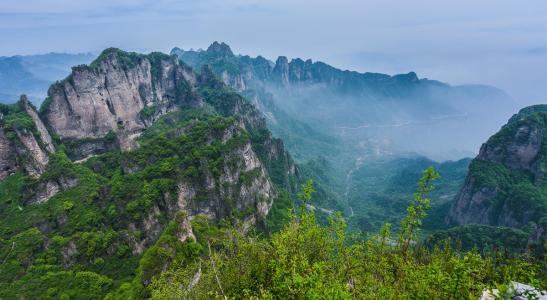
(215, 270)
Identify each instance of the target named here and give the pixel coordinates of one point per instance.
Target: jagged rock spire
(281, 70)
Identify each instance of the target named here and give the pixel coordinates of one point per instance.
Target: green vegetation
(378, 192)
(91, 232)
(306, 260)
(14, 118)
(119, 227)
(518, 188)
(129, 59)
(485, 238)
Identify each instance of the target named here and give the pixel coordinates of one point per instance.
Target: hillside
(141, 178)
(123, 170)
(505, 183)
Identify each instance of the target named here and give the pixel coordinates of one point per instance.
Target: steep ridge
(141, 151)
(392, 111)
(120, 92)
(505, 183)
(25, 141)
(242, 72)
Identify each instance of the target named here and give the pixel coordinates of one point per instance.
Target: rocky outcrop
(40, 127)
(119, 92)
(280, 72)
(8, 161)
(25, 143)
(504, 183)
(221, 49)
(44, 191)
(34, 158)
(243, 179)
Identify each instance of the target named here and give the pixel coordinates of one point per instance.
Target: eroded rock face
(40, 127)
(230, 191)
(28, 146)
(8, 162)
(36, 158)
(472, 207)
(45, 190)
(520, 152)
(121, 92)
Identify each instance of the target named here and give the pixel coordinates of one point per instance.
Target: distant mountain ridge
(240, 70)
(32, 74)
(330, 100)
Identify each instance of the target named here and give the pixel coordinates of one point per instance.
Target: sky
(496, 42)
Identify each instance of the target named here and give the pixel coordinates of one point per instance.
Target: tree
(416, 211)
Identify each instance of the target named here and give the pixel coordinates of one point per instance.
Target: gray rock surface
(110, 95)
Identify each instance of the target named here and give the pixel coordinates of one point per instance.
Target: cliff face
(239, 185)
(25, 142)
(210, 148)
(127, 154)
(505, 184)
(8, 162)
(121, 93)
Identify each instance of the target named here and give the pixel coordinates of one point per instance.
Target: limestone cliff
(505, 184)
(8, 161)
(119, 92)
(25, 142)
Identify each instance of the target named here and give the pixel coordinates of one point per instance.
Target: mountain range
(136, 167)
(32, 74)
(400, 113)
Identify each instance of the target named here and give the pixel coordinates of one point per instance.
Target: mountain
(140, 178)
(32, 74)
(132, 162)
(399, 113)
(505, 183)
(348, 129)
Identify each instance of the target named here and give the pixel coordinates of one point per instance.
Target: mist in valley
(437, 123)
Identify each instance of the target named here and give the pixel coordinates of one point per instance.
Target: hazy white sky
(497, 42)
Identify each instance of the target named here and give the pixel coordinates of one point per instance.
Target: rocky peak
(410, 77)
(42, 130)
(504, 182)
(121, 93)
(176, 50)
(220, 48)
(525, 112)
(280, 71)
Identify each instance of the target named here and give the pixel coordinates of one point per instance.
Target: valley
(141, 174)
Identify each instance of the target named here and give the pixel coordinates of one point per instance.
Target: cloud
(440, 39)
